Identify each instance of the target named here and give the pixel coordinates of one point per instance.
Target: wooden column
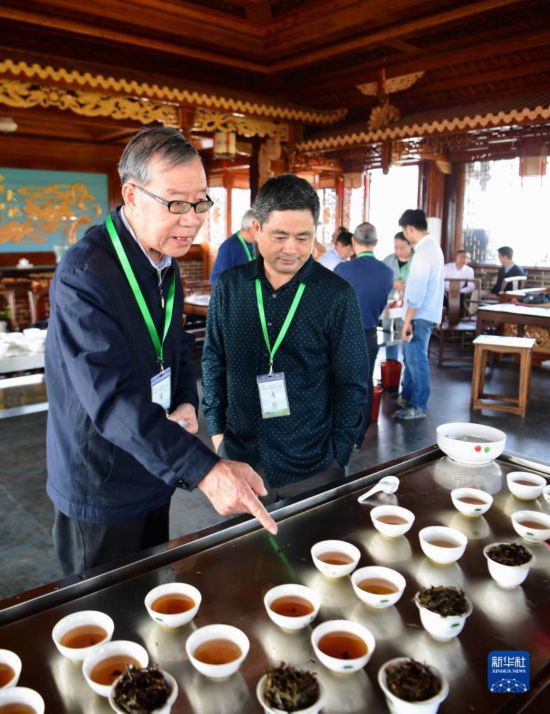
(431, 189)
(254, 168)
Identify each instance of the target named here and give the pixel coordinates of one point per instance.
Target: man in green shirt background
(285, 362)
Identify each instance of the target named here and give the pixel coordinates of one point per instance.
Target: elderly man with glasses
(121, 384)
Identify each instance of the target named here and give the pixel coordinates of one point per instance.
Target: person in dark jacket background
(372, 281)
(121, 385)
(508, 269)
(238, 249)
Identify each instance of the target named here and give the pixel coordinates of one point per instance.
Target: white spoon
(388, 484)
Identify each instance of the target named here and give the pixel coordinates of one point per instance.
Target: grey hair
(365, 234)
(248, 217)
(166, 143)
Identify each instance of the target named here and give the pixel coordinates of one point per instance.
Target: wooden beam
(144, 41)
(397, 31)
(478, 49)
(284, 37)
(404, 46)
(480, 78)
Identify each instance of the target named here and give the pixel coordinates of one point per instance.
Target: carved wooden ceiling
(305, 53)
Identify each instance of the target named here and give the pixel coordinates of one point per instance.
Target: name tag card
(160, 388)
(273, 395)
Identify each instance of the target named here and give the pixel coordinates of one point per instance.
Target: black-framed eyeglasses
(180, 207)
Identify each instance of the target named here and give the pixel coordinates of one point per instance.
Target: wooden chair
(194, 317)
(514, 283)
(484, 347)
(39, 304)
(457, 327)
(7, 302)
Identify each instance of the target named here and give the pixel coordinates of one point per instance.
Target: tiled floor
(26, 553)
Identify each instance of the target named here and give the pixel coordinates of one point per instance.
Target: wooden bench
(486, 345)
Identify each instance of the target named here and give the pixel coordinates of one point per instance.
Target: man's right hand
(234, 487)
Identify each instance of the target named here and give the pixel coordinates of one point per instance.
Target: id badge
(273, 396)
(160, 388)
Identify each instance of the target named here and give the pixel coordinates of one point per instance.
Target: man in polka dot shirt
(284, 325)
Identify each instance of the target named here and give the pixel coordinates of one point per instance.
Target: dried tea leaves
(445, 601)
(509, 554)
(412, 681)
(140, 691)
(290, 689)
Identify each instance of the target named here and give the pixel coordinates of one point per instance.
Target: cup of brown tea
(77, 635)
(21, 700)
(392, 521)
(335, 558)
(525, 485)
(10, 668)
(471, 502)
(217, 651)
(532, 526)
(106, 663)
(342, 646)
(173, 604)
(441, 544)
(291, 606)
(378, 586)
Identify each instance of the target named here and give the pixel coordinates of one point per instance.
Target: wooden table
(519, 321)
(235, 563)
(195, 305)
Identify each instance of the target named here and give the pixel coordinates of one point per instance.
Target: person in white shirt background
(460, 269)
(423, 305)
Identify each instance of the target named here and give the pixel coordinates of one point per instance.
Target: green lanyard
(286, 323)
(129, 273)
(245, 246)
(366, 252)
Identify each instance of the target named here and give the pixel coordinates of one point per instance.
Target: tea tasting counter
(235, 564)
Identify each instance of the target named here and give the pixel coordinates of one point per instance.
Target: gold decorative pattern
(467, 123)
(540, 334)
(169, 94)
(394, 84)
(383, 116)
(25, 95)
(244, 126)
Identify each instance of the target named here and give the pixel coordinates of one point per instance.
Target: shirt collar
(308, 273)
(164, 262)
(427, 235)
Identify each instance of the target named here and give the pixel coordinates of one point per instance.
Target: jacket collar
(142, 266)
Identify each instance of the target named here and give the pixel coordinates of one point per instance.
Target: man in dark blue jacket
(372, 281)
(508, 269)
(121, 386)
(238, 249)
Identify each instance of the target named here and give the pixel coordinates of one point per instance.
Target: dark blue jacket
(230, 253)
(112, 454)
(515, 272)
(372, 281)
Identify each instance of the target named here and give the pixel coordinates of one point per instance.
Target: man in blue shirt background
(423, 309)
(341, 251)
(372, 281)
(238, 249)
